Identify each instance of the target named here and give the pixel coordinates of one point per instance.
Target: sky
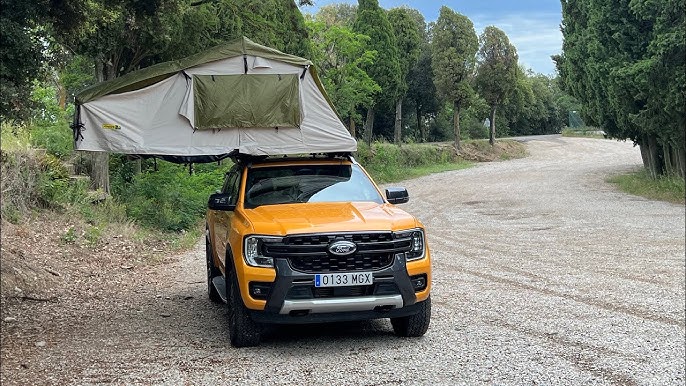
(533, 26)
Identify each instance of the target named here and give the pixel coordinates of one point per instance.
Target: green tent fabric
(155, 73)
(246, 101)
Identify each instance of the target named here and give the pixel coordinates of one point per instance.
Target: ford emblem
(342, 248)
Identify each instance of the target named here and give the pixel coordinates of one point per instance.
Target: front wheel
(243, 331)
(414, 325)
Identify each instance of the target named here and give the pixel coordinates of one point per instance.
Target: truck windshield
(308, 183)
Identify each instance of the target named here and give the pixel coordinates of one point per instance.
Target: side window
(227, 182)
(231, 186)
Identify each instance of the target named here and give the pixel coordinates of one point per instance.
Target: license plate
(343, 279)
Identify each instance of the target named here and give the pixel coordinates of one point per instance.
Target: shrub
(56, 138)
(169, 199)
(387, 162)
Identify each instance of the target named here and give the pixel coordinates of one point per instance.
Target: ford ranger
(311, 240)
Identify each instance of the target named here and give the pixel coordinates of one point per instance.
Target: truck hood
(328, 217)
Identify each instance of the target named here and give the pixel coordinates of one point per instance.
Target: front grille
(309, 253)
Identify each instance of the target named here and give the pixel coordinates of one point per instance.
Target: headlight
(253, 250)
(417, 246)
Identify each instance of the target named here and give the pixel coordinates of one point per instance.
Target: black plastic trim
(266, 317)
(286, 278)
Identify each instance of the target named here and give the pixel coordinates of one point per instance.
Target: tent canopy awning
(240, 97)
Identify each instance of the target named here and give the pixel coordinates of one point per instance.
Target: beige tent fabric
(159, 118)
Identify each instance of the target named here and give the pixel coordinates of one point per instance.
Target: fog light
(260, 290)
(418, 282)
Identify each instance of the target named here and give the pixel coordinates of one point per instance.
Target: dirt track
(543, 273)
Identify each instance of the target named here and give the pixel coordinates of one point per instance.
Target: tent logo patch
(111, 126)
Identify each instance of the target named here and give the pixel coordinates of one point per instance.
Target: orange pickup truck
(311, 240)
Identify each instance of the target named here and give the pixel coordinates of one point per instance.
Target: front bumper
(292, 300)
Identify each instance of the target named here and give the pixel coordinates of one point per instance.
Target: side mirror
(220, 201)
(397, 195)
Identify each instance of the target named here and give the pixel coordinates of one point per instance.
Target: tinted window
(308, 183)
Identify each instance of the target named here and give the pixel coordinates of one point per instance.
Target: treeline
(397, 77)
(390, 74)
(625, 61)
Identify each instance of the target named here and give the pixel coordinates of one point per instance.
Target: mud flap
(220, 285)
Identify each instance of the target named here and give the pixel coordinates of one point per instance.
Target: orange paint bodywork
(303, 218)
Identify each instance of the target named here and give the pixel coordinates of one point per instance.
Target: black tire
(413, 325)
(212, 271)
(243, 331)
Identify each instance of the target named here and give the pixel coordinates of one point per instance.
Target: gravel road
(543, 274)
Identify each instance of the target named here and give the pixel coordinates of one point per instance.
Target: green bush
(56, 138)
(169, 199)
(387, 162)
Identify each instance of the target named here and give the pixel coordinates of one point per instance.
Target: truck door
(222, 219)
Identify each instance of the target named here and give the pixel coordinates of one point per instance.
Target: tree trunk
(137, 166)
(643, 145)
(681, 161)
(669, 161)
(352, 127)
(491, 131)
(369, 126)
(456, 124)
(656, 161)
(398, 122)
(100, 172)
(420, 128)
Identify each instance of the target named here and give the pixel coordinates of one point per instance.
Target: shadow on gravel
(328, 332)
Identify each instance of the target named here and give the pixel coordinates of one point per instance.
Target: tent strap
(302, 76)
(77, 126)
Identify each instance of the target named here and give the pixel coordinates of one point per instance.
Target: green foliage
(21, 54)
(385, 71)
(340, 55)
(70, 236)
(76, 74)
(56, 138)
(92, 235)
(497, 72)
(338, 14)
(625, 62)
(453, 52)
(640, 183)
(421, 97)
(169, 199)
(387, 162)
(408, 39)
(584, 131)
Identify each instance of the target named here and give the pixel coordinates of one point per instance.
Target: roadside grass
(639, 183)
(584, 132)
(395, 175)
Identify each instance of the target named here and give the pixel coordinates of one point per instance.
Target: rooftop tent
(239, 97)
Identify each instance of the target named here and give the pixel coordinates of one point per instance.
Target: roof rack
(237, 157)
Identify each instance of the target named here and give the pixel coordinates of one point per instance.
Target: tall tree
(625, 62)
(339, 14)
(408, 38)
(339, 54)
(21, 53)
(453, 54)
(496, 71)
(421, 92)
(372, 21)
